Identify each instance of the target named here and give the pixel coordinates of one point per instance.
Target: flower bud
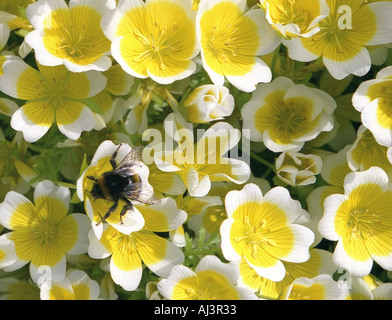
(209, 103)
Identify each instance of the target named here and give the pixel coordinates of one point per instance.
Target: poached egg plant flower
(360, 221)
(284, 115)
(344, 35)
(262, 230)
(70, 35)
(128, 251)
(52, 94)
(373, 100)
(42, 232)
(211, 280)
(153, 39)
(231, 40)
(295, 18)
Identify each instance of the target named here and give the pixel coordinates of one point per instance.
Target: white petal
(173, 257)
(327, 223)
(133, 221)
(178, 273)
(81, 245)
(47, 188)
(298, 52)
(269, 37)
(274, 273)
(9, 205)
(248, 82)
(227, 249)
(31, 131)
(250, 193)
(303, 239)
(41, 274)
(360, 98)
(129, 280)
(359, 65)
(85, 122)
(373, 175)
(96, 249)
(35, 40)
(212, 263)
(280, 197)
(383, 12)
(39, 12)
(354, 267)
(370, 120)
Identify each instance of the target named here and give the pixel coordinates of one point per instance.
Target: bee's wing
(134, 156)
(141, 193)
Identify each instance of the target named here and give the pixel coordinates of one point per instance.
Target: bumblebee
(122, 182)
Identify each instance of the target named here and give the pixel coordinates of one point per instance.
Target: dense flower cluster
(251, 141)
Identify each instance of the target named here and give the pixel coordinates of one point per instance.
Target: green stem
(65, 184)
(274, 60)
(262, 161)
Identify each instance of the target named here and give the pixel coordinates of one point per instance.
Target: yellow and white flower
(298, 18)
(42, 232)
(53, 94)
(366, 152)
(7, 252)
(209, 103)
(75, 286)
(155, 39)
(360, 221)
(201, 163)
(341, 42)
(361, 289)
(211, 280)
(373, 100)
(335, 168)
(231, 39)
(263, 230)
(97, 208)
(128, 251)
(297, 169)
(320, 262)
(322, 287)
(7, 106)
(70, 35)
(11, 18)
(285, 115)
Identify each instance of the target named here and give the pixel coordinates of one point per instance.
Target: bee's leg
(124, 210)
(113, 158)
(92, 178)
(107, 214)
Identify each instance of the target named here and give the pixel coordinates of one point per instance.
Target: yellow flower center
(361, 222)
(45, 233)
(288, 120)
(256, 236)
(74, 44)
(207, 285)
(289, 12)
(222, 43)
(75, 34)
(156, 43)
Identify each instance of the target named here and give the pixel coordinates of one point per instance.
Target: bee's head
(96, 191)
